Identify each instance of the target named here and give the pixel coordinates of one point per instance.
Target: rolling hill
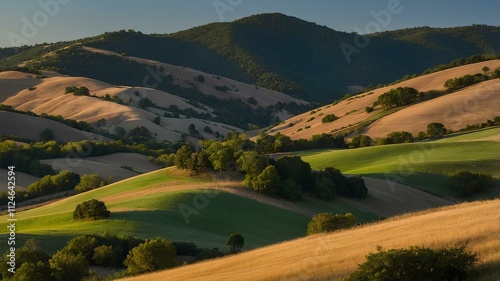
(301, 58)
(472, 105)
(47, 95)
(425, 165)
(172, 204)
(335, 256)
(15, 124)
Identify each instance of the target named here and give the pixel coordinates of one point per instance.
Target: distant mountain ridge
(305, 60)
(296, 57)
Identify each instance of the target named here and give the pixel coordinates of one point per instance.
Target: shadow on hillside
(435, 184)
(50, 244)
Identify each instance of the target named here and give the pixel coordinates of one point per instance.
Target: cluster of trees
(328, 222)
(468, 184)
(460, 62)
(402, 96)
(77, 91)
(488, 123)
(63, 181)
(434, 131)
(454, 84)
(397, 97)
(91, 209)
(361, 141)
(416, 263)
(396, 137)
(72, 262)
(49, 184)
(24, 158)
(282, 143)
(287, 177)
(91, 181)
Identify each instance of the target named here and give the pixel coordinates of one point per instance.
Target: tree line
(403, 96)
(51, 184)
(135, 255)
(287, 177)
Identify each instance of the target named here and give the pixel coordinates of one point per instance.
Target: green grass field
(426, 165)
(137, 209)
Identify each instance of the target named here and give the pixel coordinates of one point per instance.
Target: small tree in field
(93, 209)
(47, 135)
(328, 222)
(235, 243)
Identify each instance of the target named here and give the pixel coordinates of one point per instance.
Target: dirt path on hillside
(388, 198)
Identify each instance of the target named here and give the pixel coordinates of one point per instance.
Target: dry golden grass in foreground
(334, 256)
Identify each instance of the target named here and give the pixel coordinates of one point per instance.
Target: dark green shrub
(200, 78)
(329, 118)
(467, 183)
(416, 263)
(328, 222)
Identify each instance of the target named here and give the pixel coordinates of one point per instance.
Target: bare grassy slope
(12, 82)
(352, 111)
(23, 180)
(334, 256)
(49, 97)
(111, 165)
(30, 127)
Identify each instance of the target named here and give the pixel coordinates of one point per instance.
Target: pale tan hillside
(31, 127)
(352, 111)
(23, 180)
(49, 97)
(472, 105)
(185, 77)
(12, 82)
(334, 256)
(114, 165)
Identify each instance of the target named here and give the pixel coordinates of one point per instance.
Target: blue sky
(27, 22)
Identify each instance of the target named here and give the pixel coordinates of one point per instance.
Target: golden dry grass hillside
(474, 104)
(47, 95)
(335, 256)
